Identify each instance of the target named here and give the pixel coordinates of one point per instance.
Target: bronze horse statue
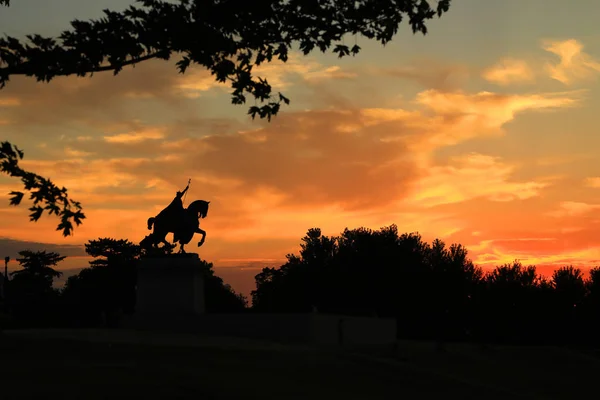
(182, 222)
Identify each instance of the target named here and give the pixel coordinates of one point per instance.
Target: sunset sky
(484, 132)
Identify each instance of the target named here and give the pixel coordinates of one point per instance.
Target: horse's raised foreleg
(203, 233)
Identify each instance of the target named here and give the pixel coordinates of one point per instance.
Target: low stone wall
(352, 331)
(284, 328)
(318, 329)
(170, 297)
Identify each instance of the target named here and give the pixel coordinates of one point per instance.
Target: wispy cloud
(429, 73)
(575, 65)
(9, 102)
(509, 70)
(573, 208)
(593, 182)
(135, 137)
(472, 176)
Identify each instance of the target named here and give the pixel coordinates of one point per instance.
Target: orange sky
(483, 134)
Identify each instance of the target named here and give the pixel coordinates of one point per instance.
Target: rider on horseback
(176, 206)
(183, 223)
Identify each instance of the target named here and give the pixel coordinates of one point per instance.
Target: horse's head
(200, 207)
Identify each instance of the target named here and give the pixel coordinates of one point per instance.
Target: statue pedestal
(170, 289)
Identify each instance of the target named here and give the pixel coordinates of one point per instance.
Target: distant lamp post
(6, 260)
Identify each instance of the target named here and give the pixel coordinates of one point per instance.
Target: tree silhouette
(31, 297)
(591, 326)
(453, 289)
(220, 297)
(365, 272)
(268, 290)
(228, 37)
(108, 286)
(569, 295)
(433, 291)
(38, 266)
(510, 300)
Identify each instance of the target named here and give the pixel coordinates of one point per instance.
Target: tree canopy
(228, 37)
(39, 264)
(30, 293)
(109, 285)
(433, 291)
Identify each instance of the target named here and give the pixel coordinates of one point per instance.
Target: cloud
(302, 159)
(455, 117)
(573, 209)
(11, 247)
(135, 137)
(574, 65)
(70, 100)
(498, 108)
(76, 154)
(195, 82)
(9, 102)
(547, 254)
(554, 160)
(593, 182)
(509, 70)
(281, 75)
(472, 176)
(305, 165)
(429, 73)
(154, 84)
(535, 240)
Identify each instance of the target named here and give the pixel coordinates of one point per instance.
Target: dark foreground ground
(111, 364)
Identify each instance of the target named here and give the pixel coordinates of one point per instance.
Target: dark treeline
(98, 295)
(434, 291)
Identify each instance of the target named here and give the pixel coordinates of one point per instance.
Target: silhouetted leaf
(284, 99)
(16, 198)
(36, 213)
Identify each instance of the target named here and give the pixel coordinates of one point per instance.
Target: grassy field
(104, 365)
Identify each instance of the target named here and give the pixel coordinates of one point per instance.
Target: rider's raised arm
(185, 190)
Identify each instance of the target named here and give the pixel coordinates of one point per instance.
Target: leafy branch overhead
(228, 37)
(45, 194)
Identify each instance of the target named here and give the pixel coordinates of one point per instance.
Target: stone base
(169, 288)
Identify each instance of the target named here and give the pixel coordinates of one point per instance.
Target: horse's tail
(150, 222)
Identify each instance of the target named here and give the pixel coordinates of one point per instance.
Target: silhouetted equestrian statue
(182, 222)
